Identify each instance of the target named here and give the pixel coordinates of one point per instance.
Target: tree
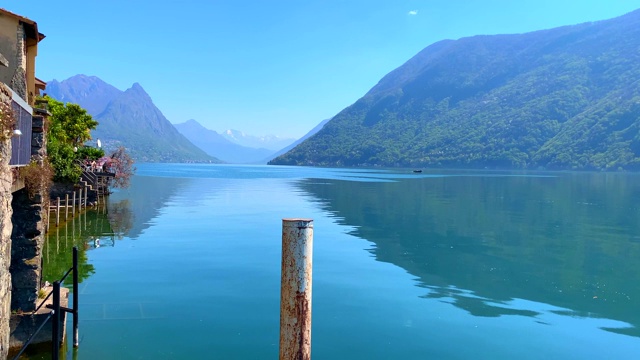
(70, 123)
(63, 160)
(90, 153)
(69, 127)
(121, 164)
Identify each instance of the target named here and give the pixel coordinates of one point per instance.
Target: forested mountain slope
(564, 98)
(128, 118)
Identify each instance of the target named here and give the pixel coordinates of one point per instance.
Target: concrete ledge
(25, 324)
(17, 183)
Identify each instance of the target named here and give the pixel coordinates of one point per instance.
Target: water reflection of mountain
(478, 242)
(146, 197)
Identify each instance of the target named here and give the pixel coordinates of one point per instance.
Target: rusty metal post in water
(55, 326)
(75, 297)
(295, 290)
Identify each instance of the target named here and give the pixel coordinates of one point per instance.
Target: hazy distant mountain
(90, 92)
(129, 119)
(565, 98)
(219, 146)
(297, 142)
(270, 142)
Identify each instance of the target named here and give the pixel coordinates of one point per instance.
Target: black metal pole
(75, 296)
(55, 333)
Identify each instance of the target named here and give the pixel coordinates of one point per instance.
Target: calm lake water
(185, 264)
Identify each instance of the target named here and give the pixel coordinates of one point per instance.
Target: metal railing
(56, 310)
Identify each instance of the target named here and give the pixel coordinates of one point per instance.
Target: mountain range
(299, 141)
(220, 146)
(269, 142)
(128, 118)
(564, 98)
(227, 146)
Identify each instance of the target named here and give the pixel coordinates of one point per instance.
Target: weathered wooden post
(295, 289)
(80, 200)
(58, 211)
(73, 209)
(66, 206)
(86, 197)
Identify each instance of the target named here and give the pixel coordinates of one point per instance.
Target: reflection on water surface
(405, 265)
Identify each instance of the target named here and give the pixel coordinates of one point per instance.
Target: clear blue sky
(269, 67)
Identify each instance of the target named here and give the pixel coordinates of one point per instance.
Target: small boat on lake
(417, 171)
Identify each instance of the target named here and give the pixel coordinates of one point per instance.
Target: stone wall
(19, 80)
(38, 145)
(6, 228)
(26, 250)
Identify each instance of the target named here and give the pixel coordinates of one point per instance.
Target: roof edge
(30, 23)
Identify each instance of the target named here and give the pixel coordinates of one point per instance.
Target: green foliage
(42, 293)
(63, 159)
(70, 123)
(91, 153)
(69, 126)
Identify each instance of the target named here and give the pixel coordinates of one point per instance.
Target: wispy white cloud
(413, 12)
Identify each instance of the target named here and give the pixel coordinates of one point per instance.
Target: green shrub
(91, 153)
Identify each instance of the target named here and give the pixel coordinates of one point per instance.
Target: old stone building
(19, 38)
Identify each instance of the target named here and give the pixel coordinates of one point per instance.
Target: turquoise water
(444, 265)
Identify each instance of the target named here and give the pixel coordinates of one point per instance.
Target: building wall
(8, 46)
(13, 48)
